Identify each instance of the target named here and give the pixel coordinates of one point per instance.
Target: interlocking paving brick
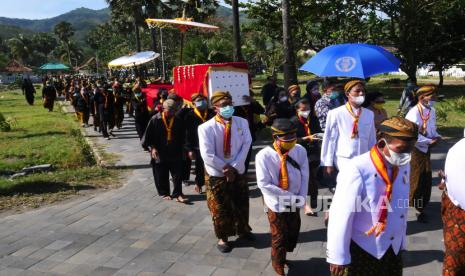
(57, 245)
(131, 231)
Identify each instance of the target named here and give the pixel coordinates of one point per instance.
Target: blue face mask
(201, 104)
(334, 95)
(227, 111)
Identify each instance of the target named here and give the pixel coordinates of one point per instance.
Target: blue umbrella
(351, 60)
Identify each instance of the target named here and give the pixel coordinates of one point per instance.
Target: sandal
(198, 189)
(166, 198)
(180, 199)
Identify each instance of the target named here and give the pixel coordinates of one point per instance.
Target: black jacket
(192, 123)
(156, 137)
(312, 147)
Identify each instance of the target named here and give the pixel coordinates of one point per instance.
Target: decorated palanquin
(204, 78)
(151, 92)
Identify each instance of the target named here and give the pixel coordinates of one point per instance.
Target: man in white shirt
(421, 176)
(282, 176)
(224, 142)
(350, 130)
(453, 211)
(368, 215)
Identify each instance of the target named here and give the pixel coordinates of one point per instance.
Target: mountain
(9, 31)
(82, 19)
(225, 14)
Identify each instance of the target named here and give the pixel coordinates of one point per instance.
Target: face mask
(227, 111)
(283, 99)
(432, 103)
(304, 114)
(334, 95)
(316, 91)
(358, 100)
(287, 145)
(397, 159)
(201, 104)
(138, 94)
(378, 106)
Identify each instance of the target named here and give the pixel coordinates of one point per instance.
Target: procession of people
(340, 137)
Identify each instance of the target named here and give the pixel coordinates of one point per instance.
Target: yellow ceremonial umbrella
(182, 24)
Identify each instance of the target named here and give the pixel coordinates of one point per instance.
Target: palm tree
(64, 31)
(70, 51)
(290, 70)
(236, 30)
(20, 47)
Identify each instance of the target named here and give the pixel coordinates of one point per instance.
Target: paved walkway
(130, 231)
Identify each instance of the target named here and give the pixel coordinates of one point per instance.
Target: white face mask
(397, 159)
(304, 114)
(358, 100)
(283, 99)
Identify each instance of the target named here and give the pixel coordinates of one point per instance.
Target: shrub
(6, 123)
(459, 104)
(441, 111)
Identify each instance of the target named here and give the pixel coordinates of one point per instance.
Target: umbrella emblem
(345, 64)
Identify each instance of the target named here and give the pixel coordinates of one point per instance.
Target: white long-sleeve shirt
(337, 140)
(267, 166)
(358, 185)
(455, 173)
(211, 145)
(414, 116)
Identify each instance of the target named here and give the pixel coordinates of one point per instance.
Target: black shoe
(247, 236)
(224, 248)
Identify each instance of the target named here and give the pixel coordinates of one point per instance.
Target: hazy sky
(38, 9)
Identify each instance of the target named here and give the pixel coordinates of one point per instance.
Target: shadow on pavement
(313, 266)
(433, 212)
(419, 257)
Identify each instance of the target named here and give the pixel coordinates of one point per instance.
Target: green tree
(64, 31)
(44, 43)
(20, 48)
(425, 31)
(70, 51)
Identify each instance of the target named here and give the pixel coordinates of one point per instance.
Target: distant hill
(82, 19)
(225, 14)
(8, 31)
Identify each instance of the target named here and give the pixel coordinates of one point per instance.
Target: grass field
(450, 126)
(42, 137)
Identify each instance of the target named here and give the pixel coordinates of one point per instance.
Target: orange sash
(283, 174)
(201, 117)
(226, 136)
(356, 119)
(305, 123)
(423, 118)
(381, 168)
(168, 127)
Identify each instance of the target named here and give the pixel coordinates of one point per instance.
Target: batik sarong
(285, 229)
(453, 219)
(229, 206)
(421, 179)
(364, 264)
